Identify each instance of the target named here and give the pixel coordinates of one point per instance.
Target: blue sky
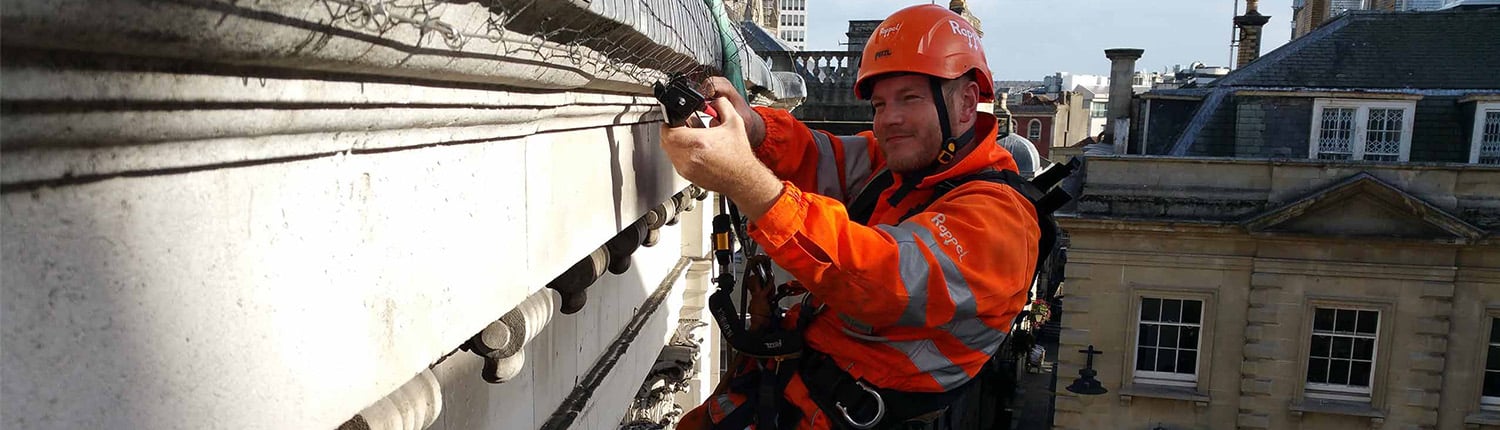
(1028, 39)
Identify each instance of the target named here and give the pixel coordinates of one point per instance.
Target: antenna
(1234, 33)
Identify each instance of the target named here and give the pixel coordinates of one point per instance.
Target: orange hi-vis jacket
(916, 305)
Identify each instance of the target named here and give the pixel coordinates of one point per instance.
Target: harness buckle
(879, 409)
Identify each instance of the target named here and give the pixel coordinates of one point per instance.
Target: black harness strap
(831, 388)
(863, 204)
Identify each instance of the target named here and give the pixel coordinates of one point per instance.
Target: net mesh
(632, 41)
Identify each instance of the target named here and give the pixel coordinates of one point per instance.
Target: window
(1034, 130)
(1167, 341)
(1098, 110)
(1341, 358)
(1361, 130)
(1486, 148)
(1491, 395)
(1012, 125)
(1336, 7)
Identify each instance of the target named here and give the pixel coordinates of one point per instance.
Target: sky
(1029, 39)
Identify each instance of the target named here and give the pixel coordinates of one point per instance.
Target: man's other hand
(755, 127)
(719, 159)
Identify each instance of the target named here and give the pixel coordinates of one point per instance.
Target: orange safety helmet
(927, 39)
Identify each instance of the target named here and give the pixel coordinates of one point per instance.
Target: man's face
(906, 122)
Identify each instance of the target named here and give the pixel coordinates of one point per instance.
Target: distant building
(1308, 242)
(792, 22)
(1049, 121)
(859, 33)
(1309, 14)
(1095, 91)
(1018, 87)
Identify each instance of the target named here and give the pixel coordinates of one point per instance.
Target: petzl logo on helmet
(965, 32)
(883, 53)
(889, 30)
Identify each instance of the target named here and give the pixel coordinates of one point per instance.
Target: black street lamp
(1086, 384)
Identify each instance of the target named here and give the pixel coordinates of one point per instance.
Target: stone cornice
(1160, 259)
(1346, 269)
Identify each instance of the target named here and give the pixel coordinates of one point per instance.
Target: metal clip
(879, 409)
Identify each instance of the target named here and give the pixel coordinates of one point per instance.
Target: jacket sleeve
(970, 254)
(816, 160)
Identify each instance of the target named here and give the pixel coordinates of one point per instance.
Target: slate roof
(1375, 49)
(762, 41)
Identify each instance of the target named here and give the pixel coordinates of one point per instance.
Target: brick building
(1048, 121)
(1309, 14)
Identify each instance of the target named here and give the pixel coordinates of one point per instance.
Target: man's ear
(969, 98)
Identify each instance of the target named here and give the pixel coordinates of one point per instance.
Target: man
(916, 299)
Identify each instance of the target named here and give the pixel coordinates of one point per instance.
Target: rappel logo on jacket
(948, 238)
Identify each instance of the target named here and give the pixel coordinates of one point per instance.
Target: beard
(906, 154)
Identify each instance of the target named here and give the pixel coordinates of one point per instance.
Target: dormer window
(1371, 130)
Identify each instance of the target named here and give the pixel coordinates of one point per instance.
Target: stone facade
(278, 215)
(1261, 244)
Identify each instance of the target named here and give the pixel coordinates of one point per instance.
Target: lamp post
(1086, 384)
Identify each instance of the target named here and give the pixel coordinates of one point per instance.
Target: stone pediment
(1364, 206)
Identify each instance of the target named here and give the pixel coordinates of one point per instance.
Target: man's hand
(719, 159)
(755, 127)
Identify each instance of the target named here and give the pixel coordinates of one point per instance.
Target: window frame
(1380, 357)
(1360, 132)
(1102, 112)
(1167, 378)
(1037, 124)
(1488, 403)
(1207, 314)
(1480, 109)
(1338, 391)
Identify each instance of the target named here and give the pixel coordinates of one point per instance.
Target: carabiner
(879, 409)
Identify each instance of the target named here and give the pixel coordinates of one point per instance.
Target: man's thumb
(727, 114)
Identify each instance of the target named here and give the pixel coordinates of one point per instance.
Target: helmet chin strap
(951, 144)
(947, 154)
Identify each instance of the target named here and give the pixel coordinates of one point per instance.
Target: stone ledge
(1335, 407)
(1152, 391)
(1485, 418)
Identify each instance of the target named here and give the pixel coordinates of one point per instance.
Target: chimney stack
(1121, 74)
(1250, 32)
(1308, 17)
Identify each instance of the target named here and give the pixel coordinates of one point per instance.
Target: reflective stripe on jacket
(913, 305)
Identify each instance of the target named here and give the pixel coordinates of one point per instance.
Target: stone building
(1306, 243)
(292, 215)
